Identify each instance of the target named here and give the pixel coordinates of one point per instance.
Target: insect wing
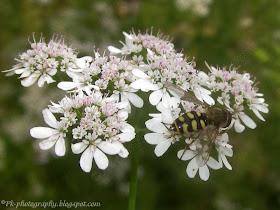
(181, 93)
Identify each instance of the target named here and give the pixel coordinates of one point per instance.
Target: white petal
(50, 118)
(156, 126)
(114, 50)
(257, 113)
(41, 81)
(82, 61)
(42, 132)
(166, 100)
(109, 148)
(28, 81)
(126, 137)
(126, 128)
(174, 102)
(48, 143)
(228, 151)
(192, 168)
(208, 99)
(162, 147)
(86, 159)
(67, 85)
(188, 154)
(225, 161)
(248, 121)
(167, 118)
(60, 147)
(100, 159)
(155, 97)
(135, 100)
(204, 173)
(238, 126)
(262, 108)
(123, 115)
(212, 163)
(154, 138)
(123, 151)
(78, 147)
(140, 74)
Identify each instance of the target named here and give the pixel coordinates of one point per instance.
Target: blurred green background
(245, 33)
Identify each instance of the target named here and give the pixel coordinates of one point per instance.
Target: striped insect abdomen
(189, 122)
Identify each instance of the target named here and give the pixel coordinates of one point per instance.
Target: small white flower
(51, 136)
(224, 149)
(200, 162)
(161, 137)
(94, 150)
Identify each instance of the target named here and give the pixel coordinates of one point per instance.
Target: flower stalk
(133, 176)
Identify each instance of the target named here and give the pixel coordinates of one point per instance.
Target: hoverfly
(195, 122)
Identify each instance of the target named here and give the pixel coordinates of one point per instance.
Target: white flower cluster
(236, 92)
(103, 88)
(98, 126)
(109, 74)
(158, 66)
(43, 60)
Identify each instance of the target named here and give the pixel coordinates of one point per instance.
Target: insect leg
(188, 145)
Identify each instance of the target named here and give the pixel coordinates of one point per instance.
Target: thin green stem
(133, 178)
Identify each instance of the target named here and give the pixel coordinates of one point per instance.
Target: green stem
(133, 178)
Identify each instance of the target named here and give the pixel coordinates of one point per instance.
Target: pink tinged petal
(86, 159)
(49, 118)
(60, 147)
(204, 173)
(100, 159)
(48, 143)
(78, 147)
(67, 85)
(28, 81)
(135, 100)
(225, 161)
(188, 154)
(109, 148)
(42, 132)
(126, 137)
(167, 118)
(192, 168)
(238, 126)
(155, 97)
(212, 163)
(140, 74)
(257, 113)
(156, 126)
(154, 138)
(114, 50)
(248, 121)
(162, 147)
